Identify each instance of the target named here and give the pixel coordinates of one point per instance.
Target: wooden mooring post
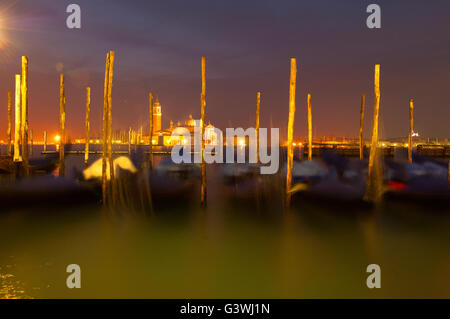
(45, 141)
(129, 141)
(31, 142)
(376, 108)
(258, 104)
(105, 130)
(87, 125)
(411, 129)
(110, 82)
(8, 130)
(24, 122)
(309, 128)
(290, 133)
(374, 178)
(150, 133)
(361, 127)
(107, 153)
(17, 125)
(203, 109)
(62, 124)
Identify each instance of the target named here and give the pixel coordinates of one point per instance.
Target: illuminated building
(157, 116)
(163, 137)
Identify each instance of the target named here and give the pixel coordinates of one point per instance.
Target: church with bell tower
(156, 116)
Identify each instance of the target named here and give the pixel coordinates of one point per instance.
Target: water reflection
(232, 249)
(10, 286)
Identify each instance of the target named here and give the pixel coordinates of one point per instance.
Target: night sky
(248, 45)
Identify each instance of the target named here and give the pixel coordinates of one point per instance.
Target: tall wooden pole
(8, 131)
(62, 124)
(309, 128)
(87, 125)
(203, 109)
(361, 127)
(258, 103)
(411, 128)
(129, 141)
(374, 145)
(18, 125)
(24, 122)
(31, 142)
(290, 153)
(105, 130)
(110, 82)
(150, 145)
(45, 141)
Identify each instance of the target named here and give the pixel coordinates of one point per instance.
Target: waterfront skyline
(247, 47)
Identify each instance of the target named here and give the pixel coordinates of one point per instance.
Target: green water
(308, 252)
(232, 249)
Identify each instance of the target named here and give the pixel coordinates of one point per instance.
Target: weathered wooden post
(411, 128)
(150, 145)
(88, 110)
(110, 74)
(374, 144)
(105, 129)
(361, 127)
(62, 124)
(129, 141)
(203, 109)
(45, 141)
(24, 122)
(258, 103)
(309, 128)
(110, 82)
(374, 182)
(8, 130)
(18, 125)
(31, 142)
(290, 153)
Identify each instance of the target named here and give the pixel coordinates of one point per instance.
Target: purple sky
(248, 45)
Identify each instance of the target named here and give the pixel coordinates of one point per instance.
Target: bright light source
(57, 138)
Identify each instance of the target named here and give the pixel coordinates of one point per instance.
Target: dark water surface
(231, 249)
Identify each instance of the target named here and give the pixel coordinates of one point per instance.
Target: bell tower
(157, 116)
